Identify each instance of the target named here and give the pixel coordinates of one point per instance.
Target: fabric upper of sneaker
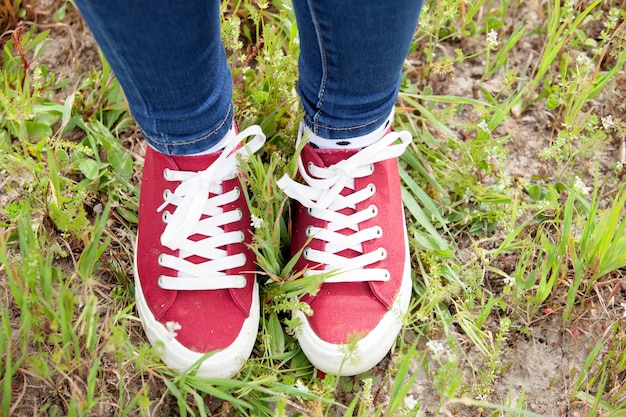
(215, 212)
(356, 302)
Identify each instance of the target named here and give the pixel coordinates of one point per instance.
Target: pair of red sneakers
(196, 291)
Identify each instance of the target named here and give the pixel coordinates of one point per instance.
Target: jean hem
(189, 145)
(346, 132)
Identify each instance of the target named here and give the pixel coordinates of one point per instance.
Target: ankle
(221, 144)
(356, 142)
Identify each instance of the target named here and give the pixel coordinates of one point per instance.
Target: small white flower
(301, 387)
(436, 347)
(543, 205)
(580, 186)
(468, 195)
(492, 39)
(255, 221)
(583, 60)
(613, 16)
(410, 401)
(484, 126)
(172, 327)
(510, 281)
(567, 11)
(607, 122)
(37, 75)
(624, 307)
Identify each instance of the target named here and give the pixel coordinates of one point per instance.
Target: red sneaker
(351, 219)
(196, 290)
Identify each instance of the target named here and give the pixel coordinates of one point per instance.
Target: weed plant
(493, 252)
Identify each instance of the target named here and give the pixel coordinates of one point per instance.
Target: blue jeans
(170, 61)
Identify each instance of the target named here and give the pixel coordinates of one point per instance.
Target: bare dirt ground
(540, 364)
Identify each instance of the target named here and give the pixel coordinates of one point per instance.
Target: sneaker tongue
(194, 163)
(330, 157)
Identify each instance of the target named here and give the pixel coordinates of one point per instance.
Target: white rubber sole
(342, 360)
(220, 364)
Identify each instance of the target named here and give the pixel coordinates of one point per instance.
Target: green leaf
(537, 192)
(275, 331)
(401, 386)
(67, 110)
(89, 168)
(552, 102)
(121, 163)
(59, 14)
(39, 130)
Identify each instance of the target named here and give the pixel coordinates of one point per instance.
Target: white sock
(357, 142)
(221, 144)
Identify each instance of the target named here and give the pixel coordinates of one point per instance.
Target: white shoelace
(192, 202)
(321, 195)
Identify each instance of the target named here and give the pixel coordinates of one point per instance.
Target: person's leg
(169, 59)
(195, 284)
(351, 61)
(350, 215)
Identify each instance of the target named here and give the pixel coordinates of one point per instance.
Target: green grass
(494, 253)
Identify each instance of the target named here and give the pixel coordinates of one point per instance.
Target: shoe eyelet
(160, 261)
(238, 192)
(166, 194)
(308, 232)
(374, 210)
(379, 231)
(309, 166)
(239, 214)
(309, 211)
(242, 237)
(166, 172)
(387, 276)
(165, 217)
(383, 253)
(372, 188)
(371, 169)
(160, 281)
(305, 254)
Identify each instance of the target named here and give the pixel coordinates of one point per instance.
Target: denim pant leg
(170, 61)
(351, 56)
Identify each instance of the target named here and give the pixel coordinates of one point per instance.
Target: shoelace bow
(198, 214)
(321, 194)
